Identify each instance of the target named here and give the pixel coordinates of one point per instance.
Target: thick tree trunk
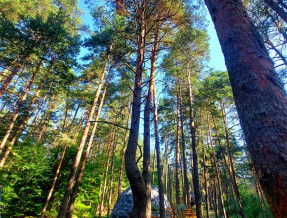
(88, 149)
(133, 173)
(196, 185)
(186, 183)
(259, 96)
(76, 163)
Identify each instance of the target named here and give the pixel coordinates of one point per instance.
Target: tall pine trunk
(76, 163)
(186, 184)
(123, 155)
(156, 129)
(216, 170)
(17, 111)
(236, 189)
(259, 96)
(133, 173)
(146, 147)
(10, 77)
(177, 154)
(112, 177)
(101, 210)
(87, 152)
(196, 185)
(205, 177)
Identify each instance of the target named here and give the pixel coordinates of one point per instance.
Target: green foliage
(25, 180)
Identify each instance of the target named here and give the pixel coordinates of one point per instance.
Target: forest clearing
(117, 108)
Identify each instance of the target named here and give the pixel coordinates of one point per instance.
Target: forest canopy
(100, 96)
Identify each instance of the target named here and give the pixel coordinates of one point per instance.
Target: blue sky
(216, 56)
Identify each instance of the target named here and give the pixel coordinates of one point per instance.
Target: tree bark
(22, 121)
(134, 176)
(75, 115)
(275, 7)
(205, 177)
(146, 147)
(196, 185)
(10, 77)
(153, 165)
(17, 112)
(186, 184)
(166, 165)
(177, 152)
(112, 177)
(123, 154)
(76, 163)
(227, 166)
(88, 149)
(156, 129)
(215, 199)
(236, 189)
(259, 97)
(260, 192)
(159, 166)
(106, 174)
(216, 170)
(8, 97)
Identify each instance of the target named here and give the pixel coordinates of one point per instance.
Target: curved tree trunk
(259, 97)
(133, 173)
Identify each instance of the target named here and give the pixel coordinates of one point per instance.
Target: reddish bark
(259, 97)
(76, 163)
